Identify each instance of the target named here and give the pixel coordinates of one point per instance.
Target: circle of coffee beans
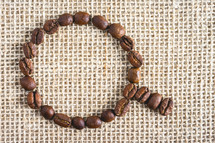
(131, 91)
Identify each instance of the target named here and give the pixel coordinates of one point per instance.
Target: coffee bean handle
(153, 100)
(142, 95)
(156, 101)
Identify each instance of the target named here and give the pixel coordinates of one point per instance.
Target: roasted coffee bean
(100, 22)
(37, 36)
(27, 83)
(108, 115)
(30, 50)
(34, 100)
(142, 94)
(135, 59)
(166, 106)
(154, 101)
(81, 18)
(62, 120)
(26, 66)
(47, 112)
(134, 75)
(65, 19)
(116, 30)
(127, 43)
(93, 122)
(78, 123)
(51, 26)
(129, 91)
(122, 107)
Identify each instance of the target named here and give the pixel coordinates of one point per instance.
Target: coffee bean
(62, 120)
(166, 106)
(127, 43)
(154, 101)
(100, 22)
(30, 50)
(34, 100)
(142, 94)
(47, 112)
(82, 18)
(122, 107)
(135, 59)
(26, 66)
(116, 30)
(78, 123)
(51, 26)
(107, 115)
(27, 83)
(65, 19)
(129, 91)
(93, 122)
(134, 75)
(37, 36)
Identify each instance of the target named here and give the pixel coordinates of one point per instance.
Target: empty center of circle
(80, 70)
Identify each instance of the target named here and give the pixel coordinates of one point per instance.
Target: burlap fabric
(81, 70)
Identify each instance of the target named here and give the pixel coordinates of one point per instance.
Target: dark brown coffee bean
(127, 43)
(65, 19)
(93, 122)
(100, 22)
(62, 120)
(37, 36)
(117, 30)
(107, 116)
(51, 26)
(30, 50)
(28, 83)
(26, 66)
(134, 75)
(142, 94)
(34, 100)
(78, 123)
(122, 107)
(47, 112)
(166, 106)
(135, 59)
(81, 18)
(129, 91)
(154, 101)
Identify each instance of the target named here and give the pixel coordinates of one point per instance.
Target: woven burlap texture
(81, 70)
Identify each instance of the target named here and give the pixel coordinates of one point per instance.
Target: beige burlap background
(81, 70)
